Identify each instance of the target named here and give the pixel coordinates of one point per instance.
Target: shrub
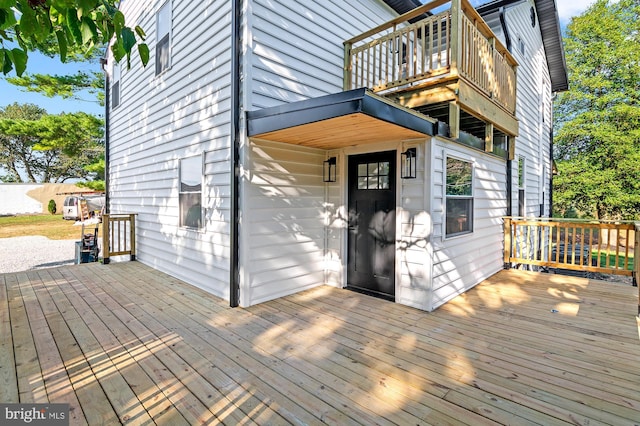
(52, 207)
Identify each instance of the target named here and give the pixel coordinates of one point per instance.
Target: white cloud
(570, 8)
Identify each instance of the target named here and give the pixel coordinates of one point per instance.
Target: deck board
(123, 343)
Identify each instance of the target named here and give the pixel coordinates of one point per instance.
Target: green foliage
(66, 27)
(64, 86)
(50, 148)
(597, 129)
(52, 206)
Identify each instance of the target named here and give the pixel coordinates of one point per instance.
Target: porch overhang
(350, 118)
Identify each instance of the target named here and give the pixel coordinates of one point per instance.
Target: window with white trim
(521, 186)
(190, 194)
(163, 38)
(459, 197)
(115, 85)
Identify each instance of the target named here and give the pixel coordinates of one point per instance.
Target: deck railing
(118, 236)
(399, 55)
(607, 247)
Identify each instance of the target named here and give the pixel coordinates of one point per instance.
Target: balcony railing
(453, 44)
(605, 247)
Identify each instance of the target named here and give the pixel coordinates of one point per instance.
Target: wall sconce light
(329, 170)
(408, 163)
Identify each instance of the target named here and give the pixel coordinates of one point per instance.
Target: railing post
(456, 36)
(636, 260)
(507, 242)
(132, 238)
(106, 244)
(346, 82)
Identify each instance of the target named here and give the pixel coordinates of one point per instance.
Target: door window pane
(373, 175)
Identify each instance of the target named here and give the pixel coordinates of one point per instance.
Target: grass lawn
(50, 226)
(608, 259)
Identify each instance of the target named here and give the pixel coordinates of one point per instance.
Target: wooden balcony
(125, 344)
(450, 56)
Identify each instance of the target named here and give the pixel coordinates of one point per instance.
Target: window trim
(522, 186)
(160, 40)
(471, 198)
(181, 224)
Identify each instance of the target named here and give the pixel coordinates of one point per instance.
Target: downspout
(503, 24)
(107, 100)
(234, 260)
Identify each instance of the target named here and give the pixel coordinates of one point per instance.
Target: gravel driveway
(24, 253)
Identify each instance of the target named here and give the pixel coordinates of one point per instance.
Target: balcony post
(488, 137)
(454, 120)
(511, 146)
(346, 72)
(456, 36)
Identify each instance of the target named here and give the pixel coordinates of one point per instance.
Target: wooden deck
(123, 343)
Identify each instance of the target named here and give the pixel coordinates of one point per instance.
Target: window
(521, 186)
(521, 46)
(459, 209)
(115, 85)
(190, 194)
(373, 175)
(163, 37)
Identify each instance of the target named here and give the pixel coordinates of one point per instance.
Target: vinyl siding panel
(534, 98)
(461, 262)
(297, 50)
(414, 248)
(284, 219)
(182, 112)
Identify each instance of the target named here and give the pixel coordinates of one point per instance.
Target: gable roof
(551, 37)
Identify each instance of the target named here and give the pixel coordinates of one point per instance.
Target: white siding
(533, 97)
(182, 112)
(414, 249)
(463, 261)
(297, 50)
(284, 221)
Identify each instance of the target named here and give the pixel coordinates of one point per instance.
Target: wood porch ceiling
(343, 119)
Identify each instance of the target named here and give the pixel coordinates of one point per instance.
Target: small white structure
(264, 155)
(14, 199)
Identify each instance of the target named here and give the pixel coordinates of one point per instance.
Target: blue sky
(41, 64)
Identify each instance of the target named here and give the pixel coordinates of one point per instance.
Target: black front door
(372, 224)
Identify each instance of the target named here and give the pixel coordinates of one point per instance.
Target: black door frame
(392, 156)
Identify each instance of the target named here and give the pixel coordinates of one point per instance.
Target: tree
(16, 150)
(64, 86)
(597, 128)
(49, 148)
(62, 26)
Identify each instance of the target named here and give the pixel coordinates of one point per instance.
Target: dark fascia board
(549, 23)
(403, 6)
(336, 105)
(552, 39)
